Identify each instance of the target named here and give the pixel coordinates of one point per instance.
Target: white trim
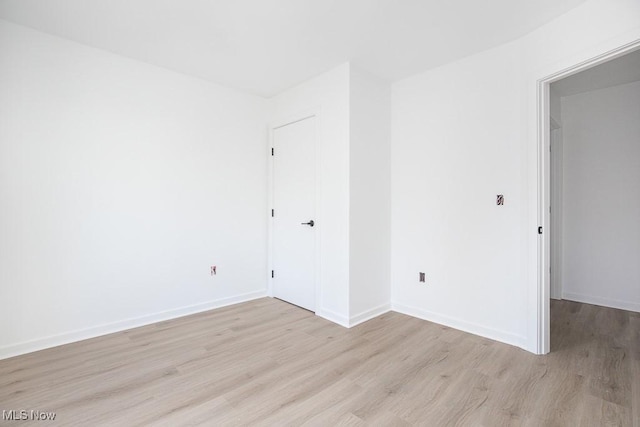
(462, 325)
(290, 119)
(293, 118)
(332, 316)
(300, 118)
(605, 302)
(543, 343)
(109, 328)
(369, 314)
(542, 335)
(268, 211)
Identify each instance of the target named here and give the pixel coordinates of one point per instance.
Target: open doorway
(592, 187)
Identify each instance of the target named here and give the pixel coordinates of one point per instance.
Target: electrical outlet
(422, 277)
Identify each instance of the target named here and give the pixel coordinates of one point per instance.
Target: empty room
(359, 212)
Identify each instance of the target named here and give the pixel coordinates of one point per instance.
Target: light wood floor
(270, 363)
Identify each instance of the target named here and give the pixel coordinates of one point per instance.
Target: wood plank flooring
(266, 362)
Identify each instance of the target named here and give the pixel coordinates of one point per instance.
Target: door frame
(288, 120)
(543, 181)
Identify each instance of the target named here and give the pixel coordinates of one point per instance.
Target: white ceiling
(266, 46)
(619, 71)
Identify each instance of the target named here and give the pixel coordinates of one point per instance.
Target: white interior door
(294, 226)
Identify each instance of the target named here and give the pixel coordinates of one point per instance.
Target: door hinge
(272, 151)
(272, 213)
(272, 275)
(540, 230)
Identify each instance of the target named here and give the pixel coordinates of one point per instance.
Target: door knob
(310, 223)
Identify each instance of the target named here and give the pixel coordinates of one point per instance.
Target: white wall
(461, 134)
(555, 173)
(601, 198)
(120, 184)
(454, 149)
(370, 192)
(555, 236)
(328, 94)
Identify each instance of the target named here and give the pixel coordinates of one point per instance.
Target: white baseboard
(462, 325)
(606, 302)
(96, 331)
(334, 317)
(369, 314)
(473, 328)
